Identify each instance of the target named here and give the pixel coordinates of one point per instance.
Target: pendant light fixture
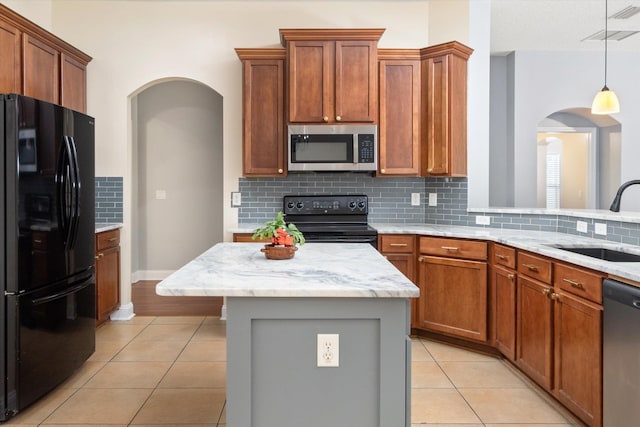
(606, 101)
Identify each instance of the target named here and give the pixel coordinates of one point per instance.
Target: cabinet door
(503, 284)
(399, 133)
(437, 129)
(10, 76)
(444, 93)
(73, 90)
(453, 297)
(107, 282)
(41, 65)
(534, 338)
(356, 81)
(578, 357)
(263, 105)
(311, 81)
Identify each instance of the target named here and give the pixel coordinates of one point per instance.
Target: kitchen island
(275, 311)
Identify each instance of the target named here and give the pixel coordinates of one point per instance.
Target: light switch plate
(236, 199)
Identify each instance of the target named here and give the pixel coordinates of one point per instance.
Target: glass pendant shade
(605, 102)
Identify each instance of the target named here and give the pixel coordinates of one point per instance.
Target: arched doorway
(177, 188)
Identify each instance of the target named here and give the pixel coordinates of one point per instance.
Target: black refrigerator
(47, 213)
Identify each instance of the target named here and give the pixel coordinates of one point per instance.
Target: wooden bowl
(279, 252)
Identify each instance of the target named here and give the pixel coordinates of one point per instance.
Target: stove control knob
(299, 205)
(352, 204)
(290, 205)
(361, 204)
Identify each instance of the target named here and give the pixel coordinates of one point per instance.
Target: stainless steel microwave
(333, 147)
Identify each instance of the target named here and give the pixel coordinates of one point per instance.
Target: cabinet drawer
(107, 239)
(397, 243)
(578, 281)
(535, 267)
(503, 255)
(453, 248)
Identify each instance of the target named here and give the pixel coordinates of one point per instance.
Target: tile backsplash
(389, 198)
(109, 199)
(390, 202)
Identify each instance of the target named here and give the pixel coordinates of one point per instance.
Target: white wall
(38, 11)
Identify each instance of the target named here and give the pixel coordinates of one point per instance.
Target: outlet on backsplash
(582, 226)
(601, 229)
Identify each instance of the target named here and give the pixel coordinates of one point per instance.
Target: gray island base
(275, 311)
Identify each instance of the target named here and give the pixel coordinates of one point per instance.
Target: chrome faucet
(615, 205)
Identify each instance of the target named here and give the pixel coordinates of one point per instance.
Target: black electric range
(331, 218)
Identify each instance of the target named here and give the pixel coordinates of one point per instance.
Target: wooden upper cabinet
(332, 75)
(399, 121)
(41, 67)
(11, 63)
(264, 143)
(444, 111)
(38, 64)
(73, 88)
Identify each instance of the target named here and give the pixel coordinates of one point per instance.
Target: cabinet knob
(430, 170)
(325, 118)
(511, 276)
(546, 292)
(420, 259)
(382, 171)
(280, 171)
(100, 255)
(338, 118)
(554, 296)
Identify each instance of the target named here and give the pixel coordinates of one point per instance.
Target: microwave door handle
(355, 148)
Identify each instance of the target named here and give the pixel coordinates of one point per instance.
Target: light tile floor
(170, 371)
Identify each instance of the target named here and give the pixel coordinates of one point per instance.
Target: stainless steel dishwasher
(621, 354)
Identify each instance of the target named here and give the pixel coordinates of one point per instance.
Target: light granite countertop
(540, 242)
(101, 227)
(317, 270)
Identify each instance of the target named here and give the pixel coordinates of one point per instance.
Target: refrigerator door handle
(66, 192)
(75, 186)
(66, 292)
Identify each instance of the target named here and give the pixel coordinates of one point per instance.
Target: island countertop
(317, 270)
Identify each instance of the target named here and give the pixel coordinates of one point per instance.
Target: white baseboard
(124, 312)
(150, 275)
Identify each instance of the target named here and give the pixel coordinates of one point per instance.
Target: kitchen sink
(603, 253)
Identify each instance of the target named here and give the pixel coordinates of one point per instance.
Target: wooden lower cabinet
(400, 250)
(578, 356)
(503, 301)
(453, 297)
(107, 274)
(534, 330)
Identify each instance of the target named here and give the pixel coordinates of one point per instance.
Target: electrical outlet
(328, 350)
(415, 199)
(236, 199)
(483, 220)
(582, 226)
(601, 228)
(433, 199)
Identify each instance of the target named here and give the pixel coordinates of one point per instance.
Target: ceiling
(559, 25)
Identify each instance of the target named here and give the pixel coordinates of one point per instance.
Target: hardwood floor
(147, 303)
